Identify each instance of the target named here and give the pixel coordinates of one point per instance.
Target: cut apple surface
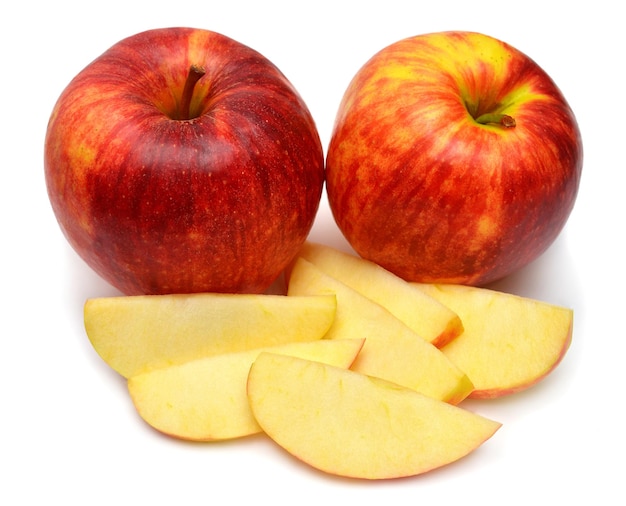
(509, 343)
(349, 424)
(423, 314)
(142, 333)
(392, 350)
(205, 399)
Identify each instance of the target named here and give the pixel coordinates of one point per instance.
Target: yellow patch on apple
(205, 399)
(135, 334)
(510, 343)
(392, 350)
(349, 424)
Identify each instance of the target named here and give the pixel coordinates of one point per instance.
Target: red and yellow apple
(454, 158)
(183, 161)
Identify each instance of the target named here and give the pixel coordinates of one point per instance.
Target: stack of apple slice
(354, 370)
(503, 342)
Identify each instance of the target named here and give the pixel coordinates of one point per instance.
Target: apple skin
(218, 201)
(419, 186)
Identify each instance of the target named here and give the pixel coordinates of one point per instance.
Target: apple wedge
(141, 333)
(349, 424)
(392, 350)
(423, 314)
(510, 343)
(205, 399)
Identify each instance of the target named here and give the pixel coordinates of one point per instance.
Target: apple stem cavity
(184, 108)
(497, 119)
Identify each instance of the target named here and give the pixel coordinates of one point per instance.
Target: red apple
(183, 161)
(454, 158)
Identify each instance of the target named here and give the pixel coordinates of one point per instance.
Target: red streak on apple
(163, 190)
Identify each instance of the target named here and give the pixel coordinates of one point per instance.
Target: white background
(68, 431)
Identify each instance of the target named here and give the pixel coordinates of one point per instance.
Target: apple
(349, 424)
(423, 314)
(510, 343)
(136, 334)
(205, 399)
(183, 161)
(392, 351)
(454, 158)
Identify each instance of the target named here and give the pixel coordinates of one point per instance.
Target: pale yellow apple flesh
(348, 424)
(141, 333)
(509, 343)
(425, 315)
(205, 399)
(392, 350)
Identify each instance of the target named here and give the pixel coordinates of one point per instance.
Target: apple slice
(349, 424)
(392, 350)
(141, 333)
(205, 399)
(425, 315)
(510, 342)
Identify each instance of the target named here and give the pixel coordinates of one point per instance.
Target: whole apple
(183, 161)
(454, 158)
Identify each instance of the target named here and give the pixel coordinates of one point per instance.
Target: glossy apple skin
(418, 186)
(220, 202)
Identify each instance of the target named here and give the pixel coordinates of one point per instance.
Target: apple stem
(195, 74)
(496, 118)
